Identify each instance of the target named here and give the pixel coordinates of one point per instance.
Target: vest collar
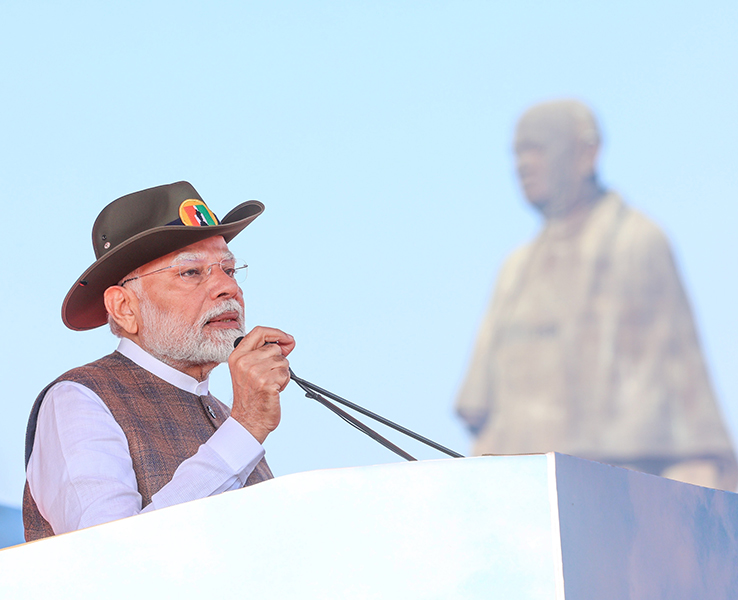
(143, 359)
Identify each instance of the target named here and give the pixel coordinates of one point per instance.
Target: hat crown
(142, 211)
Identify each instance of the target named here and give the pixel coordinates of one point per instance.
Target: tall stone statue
(589, 347)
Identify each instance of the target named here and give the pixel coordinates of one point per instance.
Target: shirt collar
(143, 359)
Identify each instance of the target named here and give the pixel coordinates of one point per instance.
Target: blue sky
(378, 135)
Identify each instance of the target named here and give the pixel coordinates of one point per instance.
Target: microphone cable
(353, 421)
(315, 392)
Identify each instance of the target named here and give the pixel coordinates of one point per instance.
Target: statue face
(545, 159)
(552, 163)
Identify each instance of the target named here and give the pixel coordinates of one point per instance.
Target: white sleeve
(80, 471)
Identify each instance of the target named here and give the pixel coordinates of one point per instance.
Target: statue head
(556, 148)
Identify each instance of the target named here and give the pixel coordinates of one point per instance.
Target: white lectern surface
(524, 527)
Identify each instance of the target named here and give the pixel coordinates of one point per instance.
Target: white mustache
(229, 305)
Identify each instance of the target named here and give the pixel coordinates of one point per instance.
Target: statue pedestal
(538, 526)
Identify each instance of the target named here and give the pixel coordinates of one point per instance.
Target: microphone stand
(314, 392)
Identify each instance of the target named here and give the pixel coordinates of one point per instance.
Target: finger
(284, 341)
(267, 361)
(288, 345)
(259, 336)
(283, 381)
(279, 371)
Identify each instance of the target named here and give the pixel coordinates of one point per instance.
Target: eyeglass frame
(209, 268)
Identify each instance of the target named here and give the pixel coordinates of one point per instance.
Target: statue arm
(475, 400)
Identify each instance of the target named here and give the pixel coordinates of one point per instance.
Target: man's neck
(197, 372)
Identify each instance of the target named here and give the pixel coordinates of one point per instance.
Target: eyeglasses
(193, 273)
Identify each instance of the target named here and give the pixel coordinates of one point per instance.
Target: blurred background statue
(589, 347)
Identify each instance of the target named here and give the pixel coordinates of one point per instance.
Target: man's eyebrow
(228, 255)
(187, 256)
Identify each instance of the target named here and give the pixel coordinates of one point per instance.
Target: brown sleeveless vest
(163, 425)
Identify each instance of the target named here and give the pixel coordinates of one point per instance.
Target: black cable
(314, 392)
(318, 390)
(354, 422)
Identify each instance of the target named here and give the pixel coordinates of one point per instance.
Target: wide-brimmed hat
(138, 228)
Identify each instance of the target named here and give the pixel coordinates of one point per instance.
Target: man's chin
(217, 345)
(217, 335)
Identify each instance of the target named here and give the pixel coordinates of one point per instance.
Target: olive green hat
(138, 228)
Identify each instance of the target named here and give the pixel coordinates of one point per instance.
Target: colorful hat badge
(195, 213)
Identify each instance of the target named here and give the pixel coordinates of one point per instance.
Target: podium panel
(515, 527)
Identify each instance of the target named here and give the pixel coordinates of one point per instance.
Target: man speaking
(138, 430)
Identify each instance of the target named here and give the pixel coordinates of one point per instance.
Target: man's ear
(122, 306)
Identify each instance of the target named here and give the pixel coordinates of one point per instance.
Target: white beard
(175, 342)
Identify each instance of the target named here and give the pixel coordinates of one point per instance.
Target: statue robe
(589, 348)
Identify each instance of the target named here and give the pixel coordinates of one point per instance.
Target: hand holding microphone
(259, 372)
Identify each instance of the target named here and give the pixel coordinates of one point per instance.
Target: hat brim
(84, 307)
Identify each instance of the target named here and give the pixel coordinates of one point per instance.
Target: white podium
(515, 527)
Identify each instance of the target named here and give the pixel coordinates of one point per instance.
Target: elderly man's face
(182, 324)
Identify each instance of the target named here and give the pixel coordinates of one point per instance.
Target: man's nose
(222, 284)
